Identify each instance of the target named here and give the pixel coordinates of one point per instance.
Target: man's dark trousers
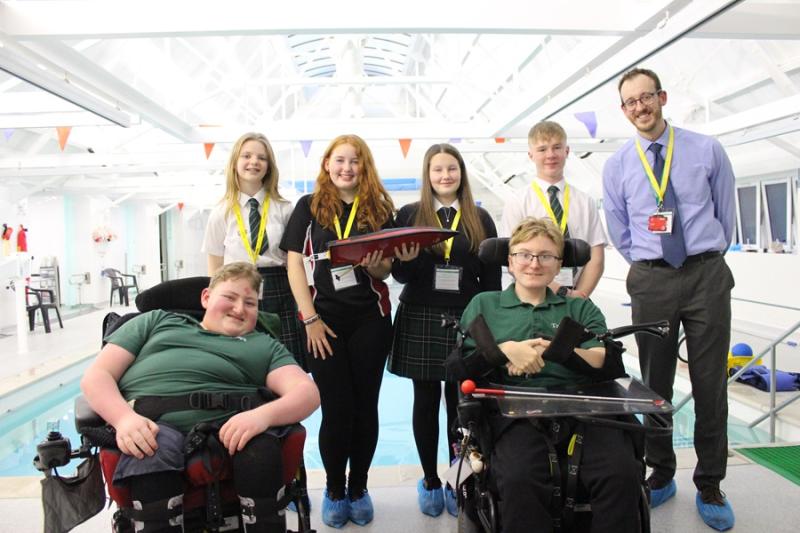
(698, 296)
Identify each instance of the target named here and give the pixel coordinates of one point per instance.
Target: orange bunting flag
(180, 206)
(499, 140)
(63, 135)
(208, 147)
(405, 144)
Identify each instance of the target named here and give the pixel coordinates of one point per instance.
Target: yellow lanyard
(448, 244)
(350, 220)
(659, 190)
(243, 232)
(546, 203)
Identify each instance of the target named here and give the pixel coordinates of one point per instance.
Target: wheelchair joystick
(53, 452)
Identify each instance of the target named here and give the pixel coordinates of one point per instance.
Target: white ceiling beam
(154, 18)
(785, 85)
(763, 20)
(756, 116)
(93, 75)
(748, 80)
(596, 65)
(50, 120)
(22, 64)
(766, 132)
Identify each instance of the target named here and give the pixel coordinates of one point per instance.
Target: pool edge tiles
(20, 389)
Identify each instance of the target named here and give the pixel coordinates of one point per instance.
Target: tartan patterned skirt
(420, 344)
(277, 298)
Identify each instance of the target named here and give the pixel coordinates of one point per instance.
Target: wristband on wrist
(310, 320)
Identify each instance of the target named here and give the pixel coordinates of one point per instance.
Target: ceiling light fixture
(46, 81)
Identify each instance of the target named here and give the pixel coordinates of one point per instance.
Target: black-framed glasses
(644, 98)
(526, 258)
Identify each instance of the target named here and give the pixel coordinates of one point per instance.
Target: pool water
(23, 429)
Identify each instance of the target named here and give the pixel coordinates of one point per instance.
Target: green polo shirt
(509, 319)
(175, 356)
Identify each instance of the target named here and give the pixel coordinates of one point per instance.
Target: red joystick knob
(468, 386)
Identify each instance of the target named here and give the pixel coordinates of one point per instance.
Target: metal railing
(770, 349)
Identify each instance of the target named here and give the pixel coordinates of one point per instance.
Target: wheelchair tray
(619, 397)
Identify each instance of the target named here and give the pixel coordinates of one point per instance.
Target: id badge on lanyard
(447, 278)
(344, 277)
(660, 222)
(566, 277)
(309, 270)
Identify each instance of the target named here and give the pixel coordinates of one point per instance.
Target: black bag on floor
(69, 501)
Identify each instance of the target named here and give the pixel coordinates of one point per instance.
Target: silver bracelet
(310, 320)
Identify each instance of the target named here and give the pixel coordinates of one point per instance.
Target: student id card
(566, 277)
(344, 277)
(308, 270)
(447, 278)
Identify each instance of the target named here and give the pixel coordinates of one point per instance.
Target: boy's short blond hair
(530, 228)
(236, 271)
(546, 130)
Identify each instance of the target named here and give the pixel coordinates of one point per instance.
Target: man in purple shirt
(669, 204)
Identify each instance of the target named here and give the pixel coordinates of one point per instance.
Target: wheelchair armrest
(85, 417)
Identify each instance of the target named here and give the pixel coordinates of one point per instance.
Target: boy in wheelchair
(520, 319)
(168, 357)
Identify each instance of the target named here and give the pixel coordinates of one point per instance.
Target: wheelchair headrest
(495, 252)
(179, 295)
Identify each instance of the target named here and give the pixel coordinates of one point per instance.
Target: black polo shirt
(304, 235)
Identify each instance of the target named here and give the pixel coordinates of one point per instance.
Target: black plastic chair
(45, 300)
(121, 283)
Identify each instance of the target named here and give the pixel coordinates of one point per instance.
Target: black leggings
(349, 383)
(257, 474)
(427, 395)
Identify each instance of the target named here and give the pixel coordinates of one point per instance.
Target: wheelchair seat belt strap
(574, 452)
(153, 407)
(555, 474)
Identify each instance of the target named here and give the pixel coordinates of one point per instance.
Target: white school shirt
(222, 236)
(583, 219)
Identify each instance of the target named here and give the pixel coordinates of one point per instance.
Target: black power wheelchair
(612, 400)
(210, 502)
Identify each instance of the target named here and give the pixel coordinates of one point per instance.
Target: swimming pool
(23, 428)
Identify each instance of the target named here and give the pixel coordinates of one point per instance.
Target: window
(748, 211)
(777, 198)
(766, 215)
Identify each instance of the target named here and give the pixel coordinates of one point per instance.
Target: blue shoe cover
(431, 501)
(659, 496)
(719, 517)
(361, 510)
(335, 512)
(450, 500)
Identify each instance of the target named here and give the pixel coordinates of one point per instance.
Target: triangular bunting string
(589, 119)
(306, 146)
(405, 144)
(63, 135)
